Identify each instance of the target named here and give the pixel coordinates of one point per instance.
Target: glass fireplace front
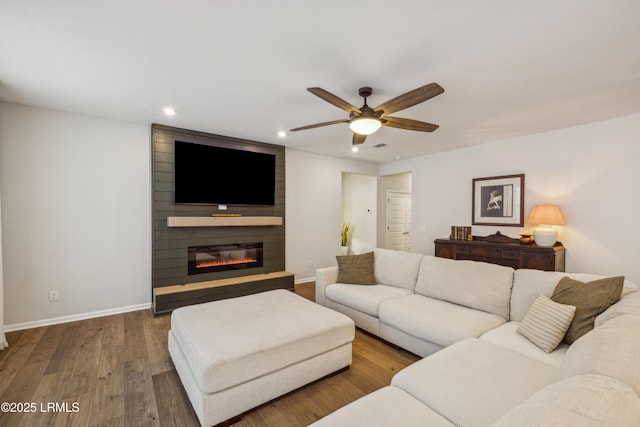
(235, 256)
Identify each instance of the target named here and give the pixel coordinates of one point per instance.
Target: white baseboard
(74, 317)
(304, 280)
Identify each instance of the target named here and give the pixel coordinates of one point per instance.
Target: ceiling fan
(365, 120)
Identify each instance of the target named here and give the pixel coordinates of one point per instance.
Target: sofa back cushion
(629, 304)
(396, 268)
(528, 285)
(473, 284)
(612, 349)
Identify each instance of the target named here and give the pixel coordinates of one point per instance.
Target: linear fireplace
(235, 256)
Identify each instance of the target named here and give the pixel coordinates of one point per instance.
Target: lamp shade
(546, 214)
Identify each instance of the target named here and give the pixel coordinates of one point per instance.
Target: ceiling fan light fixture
(365, 125)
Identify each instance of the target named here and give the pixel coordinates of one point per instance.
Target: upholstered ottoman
(235, 354)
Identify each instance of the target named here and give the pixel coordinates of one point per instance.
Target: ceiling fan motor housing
(365, 92)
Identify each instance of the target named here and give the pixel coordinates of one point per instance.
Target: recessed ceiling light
(354, 149)
(282, 134)
(169, 111)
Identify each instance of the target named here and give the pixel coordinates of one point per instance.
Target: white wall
(359, 199)
(314, 209)
(76, 213)
(591, 171)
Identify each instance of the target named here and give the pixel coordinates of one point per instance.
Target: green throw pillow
(356, 269)
(590, 299)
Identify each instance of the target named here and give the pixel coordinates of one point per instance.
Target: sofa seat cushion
(612, 349)
(478, 285)
(583, 400)
(507, 337)
(364, 298)
(434, 320)
(388, 406)
(474, 382)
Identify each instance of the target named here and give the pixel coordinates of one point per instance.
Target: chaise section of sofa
(474, 382)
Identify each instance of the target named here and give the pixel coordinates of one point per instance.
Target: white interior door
(398, 221)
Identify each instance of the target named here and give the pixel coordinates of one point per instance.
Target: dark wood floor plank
(67, 350)
(48, 390)
(140, 407)
(83, 376)
(17, 355)
(173, 403)
(108, 402)
(134, 342)
(113, 331)
(22, 389)
(156, 339)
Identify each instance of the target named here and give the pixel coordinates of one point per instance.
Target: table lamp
(545, 217)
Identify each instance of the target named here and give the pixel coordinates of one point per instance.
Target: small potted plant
(344, 240)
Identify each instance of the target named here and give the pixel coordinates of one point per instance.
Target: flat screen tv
(205, 174)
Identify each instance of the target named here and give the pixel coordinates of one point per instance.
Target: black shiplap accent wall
(170, 244)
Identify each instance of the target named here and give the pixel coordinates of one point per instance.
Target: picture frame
(498, 200)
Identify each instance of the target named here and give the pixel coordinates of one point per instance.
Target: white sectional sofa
(463, 317)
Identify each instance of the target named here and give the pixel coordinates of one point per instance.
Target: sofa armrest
(324, 277)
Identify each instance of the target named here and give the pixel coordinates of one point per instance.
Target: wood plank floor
(116, 371)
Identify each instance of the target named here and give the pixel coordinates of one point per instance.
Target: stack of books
(460, 233)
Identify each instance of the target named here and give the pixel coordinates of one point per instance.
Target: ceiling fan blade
(334, 100)
(317, 125)
(409, 124)
(358, 138)
(411, 98)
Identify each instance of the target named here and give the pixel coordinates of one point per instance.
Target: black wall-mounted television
(205, 174)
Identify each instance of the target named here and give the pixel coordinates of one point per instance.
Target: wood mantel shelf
(222, 221)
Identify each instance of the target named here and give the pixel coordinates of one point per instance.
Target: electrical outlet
(54, 296)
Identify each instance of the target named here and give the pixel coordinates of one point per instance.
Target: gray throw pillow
(590, 299)
(356, 269)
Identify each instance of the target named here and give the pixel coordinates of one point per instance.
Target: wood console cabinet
(510, 254)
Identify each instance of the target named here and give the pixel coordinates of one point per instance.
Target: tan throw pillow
(546, 323)
(590, 299)
(356, 269)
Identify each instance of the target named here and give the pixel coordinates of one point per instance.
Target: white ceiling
(240, 68)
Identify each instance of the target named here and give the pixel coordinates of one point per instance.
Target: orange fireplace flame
(216, 263)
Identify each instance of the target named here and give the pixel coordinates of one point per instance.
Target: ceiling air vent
(379, 145)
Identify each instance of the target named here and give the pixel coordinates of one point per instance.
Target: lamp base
(545, 237)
